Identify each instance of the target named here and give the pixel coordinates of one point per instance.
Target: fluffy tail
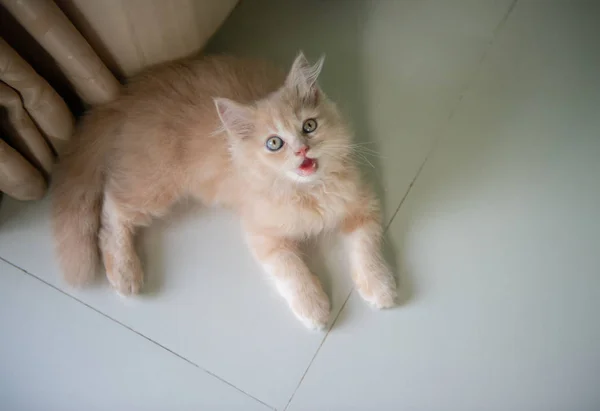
(77, 196)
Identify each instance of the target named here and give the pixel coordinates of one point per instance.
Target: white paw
(127, 284)
(311, 306)
(127, 278)
(378, 289)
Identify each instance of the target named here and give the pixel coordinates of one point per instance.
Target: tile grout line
(412, 183)
(334, 320)
(331, 327)
(137, 332)
(318, 349)
(332, 324)
(464, 91)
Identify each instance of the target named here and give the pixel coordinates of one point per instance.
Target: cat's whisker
(365, 159)
(355, 148)
(368, 151)
(360, 160)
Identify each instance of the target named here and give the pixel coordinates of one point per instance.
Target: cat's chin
(302, 179)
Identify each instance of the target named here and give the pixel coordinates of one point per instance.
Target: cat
(227, 132)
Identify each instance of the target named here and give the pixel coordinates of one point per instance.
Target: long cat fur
(197, 128)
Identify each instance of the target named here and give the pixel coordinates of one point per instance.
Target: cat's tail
(78, 185)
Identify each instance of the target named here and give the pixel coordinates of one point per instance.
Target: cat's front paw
(377, 288)
(311, 305)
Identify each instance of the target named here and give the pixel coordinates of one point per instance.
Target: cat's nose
(302, 151)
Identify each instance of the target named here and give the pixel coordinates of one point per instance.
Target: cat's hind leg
(122, 264)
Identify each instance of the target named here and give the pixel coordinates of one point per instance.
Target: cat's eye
(309, 125)
(274, 143)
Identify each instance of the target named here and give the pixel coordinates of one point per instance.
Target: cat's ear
(236, 118)
(302, 77)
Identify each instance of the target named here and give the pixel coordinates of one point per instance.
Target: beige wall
(132, 34)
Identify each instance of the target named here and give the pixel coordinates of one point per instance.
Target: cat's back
(173, 104)
(168, 119)
(168, 112)
(200, 79)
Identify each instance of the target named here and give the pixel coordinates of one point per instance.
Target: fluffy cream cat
(228, 132)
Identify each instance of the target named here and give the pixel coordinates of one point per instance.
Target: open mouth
(308, 166)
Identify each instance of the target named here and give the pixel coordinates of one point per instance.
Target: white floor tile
(498, 241)
(57, 354)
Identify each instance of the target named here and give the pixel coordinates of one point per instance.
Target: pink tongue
(307, 164)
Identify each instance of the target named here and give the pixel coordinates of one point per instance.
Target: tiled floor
(487, 117)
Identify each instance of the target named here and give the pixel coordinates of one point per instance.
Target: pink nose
(302, 151)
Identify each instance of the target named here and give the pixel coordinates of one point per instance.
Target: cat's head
(294, 134)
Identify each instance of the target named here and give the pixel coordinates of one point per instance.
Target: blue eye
(274, 143)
